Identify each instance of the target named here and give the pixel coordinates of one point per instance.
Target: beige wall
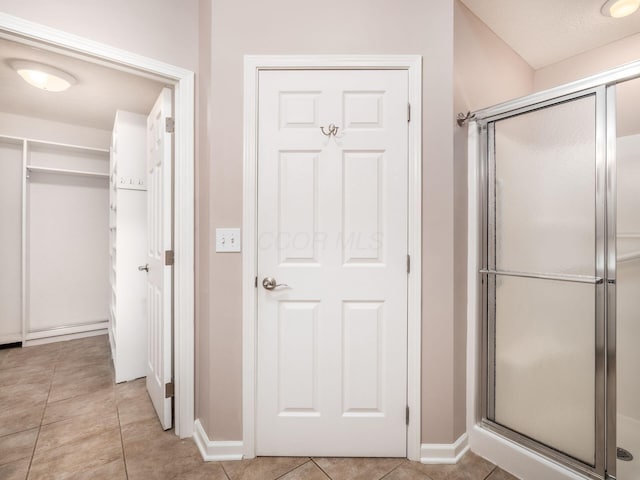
(294, 27)
(165, 30)
(486, 72)
(589, 63)
(203, 153)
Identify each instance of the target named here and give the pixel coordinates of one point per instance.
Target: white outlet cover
(227, 239)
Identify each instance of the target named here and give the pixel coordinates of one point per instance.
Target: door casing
(252, 67)
(183, 81)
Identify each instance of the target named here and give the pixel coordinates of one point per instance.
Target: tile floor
(62, 417)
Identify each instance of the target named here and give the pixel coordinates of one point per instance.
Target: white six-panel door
(332, 226)
(159, 288)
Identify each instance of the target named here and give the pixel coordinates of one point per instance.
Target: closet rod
(63, 171)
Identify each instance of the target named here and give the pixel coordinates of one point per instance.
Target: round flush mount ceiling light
(620, 8)
(43, 76)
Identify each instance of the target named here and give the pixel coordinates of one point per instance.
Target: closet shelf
(63, 171)
(67, 146)
(56, 145)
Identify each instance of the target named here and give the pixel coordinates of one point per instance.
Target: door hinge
(168, 390)
(408, 112)
(169, 125)
(407, 415)
(255, 284)
(169, 257)
(408, 263)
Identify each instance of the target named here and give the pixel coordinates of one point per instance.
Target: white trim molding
(102, 325)
(64, 338)
(444, 453)
(215, 451)
(252, 67)
(183, 81)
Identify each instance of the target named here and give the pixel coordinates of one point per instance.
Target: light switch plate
(227, 239)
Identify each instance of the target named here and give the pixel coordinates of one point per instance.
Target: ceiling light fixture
(43, 76)
(620, 8)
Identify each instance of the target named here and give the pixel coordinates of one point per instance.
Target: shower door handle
(546, 276)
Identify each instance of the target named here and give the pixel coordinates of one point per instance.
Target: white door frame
(252, 67)
(42, 36)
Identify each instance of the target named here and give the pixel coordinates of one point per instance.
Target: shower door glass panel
(542, 219)
(545, 190)
(544, 368)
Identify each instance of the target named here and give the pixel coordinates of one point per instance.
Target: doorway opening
(54, 42)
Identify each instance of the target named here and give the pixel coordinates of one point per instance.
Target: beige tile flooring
(62, 417)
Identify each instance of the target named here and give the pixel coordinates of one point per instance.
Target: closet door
(10, 241)
(159, 277)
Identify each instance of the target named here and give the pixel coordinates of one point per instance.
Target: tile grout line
(491, 472)
(293, 469)
(390, 472)
(321, 469)
(124, 455)
(397, 467)
(224, 470)
(46, 402)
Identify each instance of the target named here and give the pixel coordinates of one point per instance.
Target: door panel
(545, 362)
(159, 289)
(362, 206)
(298, 358)
(545, 187)
(332, 225)
(364, 360)
(298, 203)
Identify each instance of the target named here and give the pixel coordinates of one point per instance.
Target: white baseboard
(30, 342)
(216, 451)
(444, 453)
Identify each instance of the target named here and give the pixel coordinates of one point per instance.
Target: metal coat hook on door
(333, 130)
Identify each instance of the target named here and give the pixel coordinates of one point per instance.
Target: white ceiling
(91, 102)
(544, 32)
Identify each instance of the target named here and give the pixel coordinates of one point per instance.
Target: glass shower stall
(559, 273)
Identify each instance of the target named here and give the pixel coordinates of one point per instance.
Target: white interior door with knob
(332, 263)
(159, 288)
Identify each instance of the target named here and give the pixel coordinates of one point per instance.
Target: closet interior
(62, 192)
(73, 207)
